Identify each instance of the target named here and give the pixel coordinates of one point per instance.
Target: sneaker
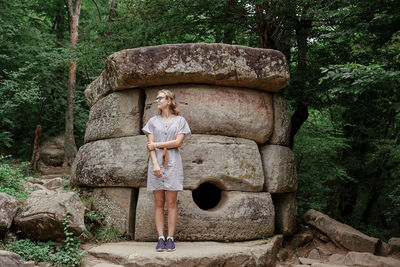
(161, 245)
(170, 246)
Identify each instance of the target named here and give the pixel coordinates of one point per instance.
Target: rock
(116, 115)
(315, 264)
(314, 254)
(341, 234)
(29, 264)
(54, 183)
(10, 259)
(299, 240)
(238, 216)
(368, 259)
(35, 181)
(52, 151)
(231, 163)
(285, 213)
(281, 130)
(279, 166)
(383, 249)
(337, 259)
(34, 187)
(394, 244)
(229, 111)
(8, 209)
(308, 261)
(191, 254)
(112, 162)
(44, 215)
(215, 64)
(119, 207)
(299, 265)
(324, 251)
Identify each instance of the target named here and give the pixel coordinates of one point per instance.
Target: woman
(165, 133)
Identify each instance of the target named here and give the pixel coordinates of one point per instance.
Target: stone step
(249, 253)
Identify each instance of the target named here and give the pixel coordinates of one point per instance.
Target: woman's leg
(159, 202)
(172, 211)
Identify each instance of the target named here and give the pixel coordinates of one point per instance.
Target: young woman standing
(165, 134)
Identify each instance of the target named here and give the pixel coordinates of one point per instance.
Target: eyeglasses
(159, 98)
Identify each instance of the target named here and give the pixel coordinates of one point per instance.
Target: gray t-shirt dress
(172, 177)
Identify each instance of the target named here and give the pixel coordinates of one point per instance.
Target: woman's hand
(157, 171)
(151, 146)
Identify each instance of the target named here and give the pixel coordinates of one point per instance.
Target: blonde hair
(170, 96)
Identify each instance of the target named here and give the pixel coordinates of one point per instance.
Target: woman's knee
(171, 203)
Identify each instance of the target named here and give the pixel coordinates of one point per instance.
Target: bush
(12, 178)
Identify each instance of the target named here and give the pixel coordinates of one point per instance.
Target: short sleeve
(149, 127)
(183, 128)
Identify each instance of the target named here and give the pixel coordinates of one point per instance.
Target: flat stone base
(249, 253)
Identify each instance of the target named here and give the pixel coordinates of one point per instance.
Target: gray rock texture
(10, 259)
(116, 115)
(238, 216)
(112, 162)
(285, 213)
(394, 244)
(228, 111)
(191, 254)
(119, 207)
(368, 259)
(216, 64)
(341, 234)
(281, 130)
(279, 164)
(8, 209)
(52, 151)
(44, 215)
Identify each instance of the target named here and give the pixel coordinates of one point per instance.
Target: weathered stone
(35, 180)
(112, 162)
(299, 240)
(10, 259)
(118, 206)
(285, 213)
(314, 254)
(336, 259)
(116, 115)
(341, 234)
(54, 183)
(8, 209)
(238, 216)
(52, 151)
(316, 264)
(216, 64)
(191, 254)
(308, 261)
(279, 166)
(394, 244)
(232, 163)
(368, 259)
(324, 251)
(228, 111)
(281, 129)
(44, 215)
(34, 187)
(383, 249)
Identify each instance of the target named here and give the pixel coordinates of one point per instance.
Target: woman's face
(161, 101)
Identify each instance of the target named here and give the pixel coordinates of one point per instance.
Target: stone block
(228, 111)
(281, 129)
(8, 209)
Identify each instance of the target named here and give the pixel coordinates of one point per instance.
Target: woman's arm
(156, 168)
(169, 144)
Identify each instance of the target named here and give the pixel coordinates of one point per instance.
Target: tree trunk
(35, 155)
(69, 144)
(266, 26)
(111, 17)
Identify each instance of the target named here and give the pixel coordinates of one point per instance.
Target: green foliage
(12, 178)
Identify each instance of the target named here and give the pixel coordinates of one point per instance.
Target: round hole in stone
(206, 196)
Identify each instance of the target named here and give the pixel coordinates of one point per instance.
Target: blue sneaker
(161, 245)
(170, 246)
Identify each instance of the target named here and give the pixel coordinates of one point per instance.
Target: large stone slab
(281, 130)
(232, 163)
(118, 205)
(191, 254)
(238, 216)
(216, 64)
(368, 259)
(341, 234)
(279, 165)
(219, 110)
(116, 115)
(8, 209)
(10, 259)
(285, 213)
(112, 162)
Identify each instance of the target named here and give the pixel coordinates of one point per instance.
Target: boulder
(112, 162)
(215, 64)
(285, 213)
(228, 111)
(319, 264)
(341, 234)
(191, 254)
(368, 259)
(52, 151)
(300, 239)
(336, 259)
(116, 115)
(279, 164)
(238, 216)
(314, 254)
(394, 244)
(10, 259)
(8, 209)
(118, 206)
(281, 130)
(44, 215)
(35, 180)
(54, 183)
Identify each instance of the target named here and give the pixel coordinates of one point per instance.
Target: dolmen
(239, 174)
